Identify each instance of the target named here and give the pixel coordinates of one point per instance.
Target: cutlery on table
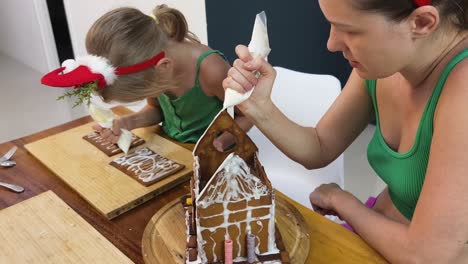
(8, 155)
(7, 163)
(12, 187)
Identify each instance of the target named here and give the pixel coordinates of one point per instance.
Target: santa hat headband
(422, 2)
(93, 68)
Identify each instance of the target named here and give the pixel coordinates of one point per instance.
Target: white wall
(26, 33)
(82, 14)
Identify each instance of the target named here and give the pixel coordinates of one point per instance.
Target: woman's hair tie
(422, 2)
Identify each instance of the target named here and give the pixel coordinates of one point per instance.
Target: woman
(410, 77)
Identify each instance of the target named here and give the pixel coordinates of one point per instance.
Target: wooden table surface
(330, 243)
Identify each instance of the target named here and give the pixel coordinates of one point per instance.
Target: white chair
(303, 98)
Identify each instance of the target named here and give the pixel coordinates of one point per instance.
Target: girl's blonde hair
(126, 36)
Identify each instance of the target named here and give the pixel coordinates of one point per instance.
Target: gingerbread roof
(233, 181)
(210, 157)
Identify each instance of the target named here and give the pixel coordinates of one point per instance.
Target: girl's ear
(424, 21)
(164, 64)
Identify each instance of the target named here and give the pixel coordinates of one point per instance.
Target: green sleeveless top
(404, 173)
(186, 118)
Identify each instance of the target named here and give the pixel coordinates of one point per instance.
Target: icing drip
(196, 171)
(271, 228)
(147, 165)
(200, 242)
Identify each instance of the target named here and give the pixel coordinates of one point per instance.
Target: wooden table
(330, 243)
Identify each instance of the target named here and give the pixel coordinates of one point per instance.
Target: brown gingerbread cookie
(108, 148)
(146, 166)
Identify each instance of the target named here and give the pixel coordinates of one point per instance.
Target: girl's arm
(213, 71)
(150, 115)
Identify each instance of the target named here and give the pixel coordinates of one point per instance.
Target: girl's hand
(323, 197)
(242, 78)
(112, 135)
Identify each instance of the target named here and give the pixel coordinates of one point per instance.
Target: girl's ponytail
(172, 22)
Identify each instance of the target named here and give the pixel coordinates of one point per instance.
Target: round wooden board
(164, 238)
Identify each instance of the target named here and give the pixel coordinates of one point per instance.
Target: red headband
(93, 68)
(422, 2)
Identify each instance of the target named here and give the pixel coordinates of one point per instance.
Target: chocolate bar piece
(108, 148)
(146, 166)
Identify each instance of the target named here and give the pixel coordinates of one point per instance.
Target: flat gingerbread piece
(146, 166)
(108, 148)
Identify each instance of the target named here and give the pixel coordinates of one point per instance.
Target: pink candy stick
(228, 251)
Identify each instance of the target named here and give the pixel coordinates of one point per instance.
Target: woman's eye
(352, 32)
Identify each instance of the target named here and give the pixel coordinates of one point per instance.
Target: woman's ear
(424, 21)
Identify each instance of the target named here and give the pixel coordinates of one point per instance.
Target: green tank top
(186, 118)
(404, 173)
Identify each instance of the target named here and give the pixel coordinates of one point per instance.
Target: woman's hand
(323, 197)
(242, 78)
(112, 134)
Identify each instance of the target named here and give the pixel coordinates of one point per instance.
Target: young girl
(157, 58)
(410, 72)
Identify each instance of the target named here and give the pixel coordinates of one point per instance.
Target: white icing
(259, 47)
(233, 98)
(234, 183)
(204, 133)
(147, 165)
(196, 175)
(239, 181)
(271, 227)
(125, 140)
(197, 261)
(104, 117)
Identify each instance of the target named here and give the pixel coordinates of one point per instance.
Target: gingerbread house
(232, 201)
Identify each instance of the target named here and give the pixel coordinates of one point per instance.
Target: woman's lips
(354, 64)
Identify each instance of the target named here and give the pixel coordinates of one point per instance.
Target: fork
(8, 155)
(12, 187)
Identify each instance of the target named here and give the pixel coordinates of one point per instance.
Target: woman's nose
(334, 42)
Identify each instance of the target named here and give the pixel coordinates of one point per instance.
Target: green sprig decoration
(81, 93)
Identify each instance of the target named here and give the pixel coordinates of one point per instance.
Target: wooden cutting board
(164, 238)
(44, 229)
(86, 169)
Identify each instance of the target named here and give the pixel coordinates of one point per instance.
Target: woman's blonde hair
(126, 36)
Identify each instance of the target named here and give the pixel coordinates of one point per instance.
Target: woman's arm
(438, 232)
(311, 147)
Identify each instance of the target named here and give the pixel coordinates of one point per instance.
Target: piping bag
(105, 118)
(259, 47)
